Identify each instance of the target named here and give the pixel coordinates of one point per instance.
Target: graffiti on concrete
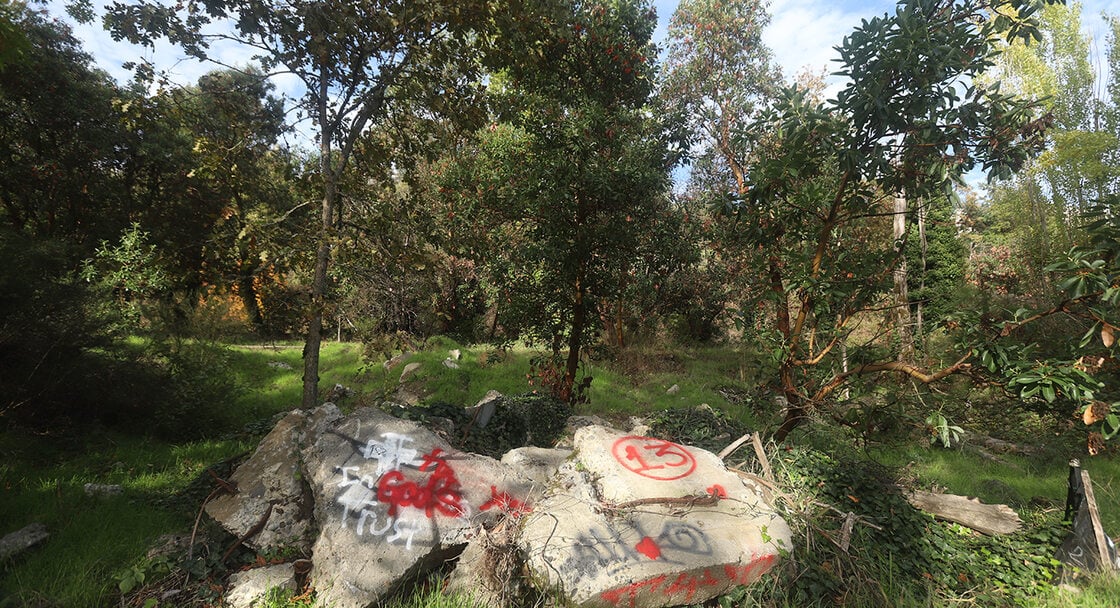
(390, 453)
(394, 500)
(682, 588)
(602, 550)
(439, 494)
(654, 458)
(505, 503)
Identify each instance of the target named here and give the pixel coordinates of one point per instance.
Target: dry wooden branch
(698, 500)
(730, 449)
(968, 512)
(255, 530)
(762, 459)
(228, 486)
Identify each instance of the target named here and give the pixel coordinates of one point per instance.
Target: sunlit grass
(1041, 480)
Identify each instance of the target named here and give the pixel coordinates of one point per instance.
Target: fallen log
(968, 512)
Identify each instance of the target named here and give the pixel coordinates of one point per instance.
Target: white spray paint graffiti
(391, 453)
(360, 501)
(388, 505)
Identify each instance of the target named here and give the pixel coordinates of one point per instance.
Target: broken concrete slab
(642, 522)
(409, 370)
(14, 543)
(489, 572)
(395, 361)
(392, 499)
(270, 486)
(483, 411)
(537, 464)
(249, 587)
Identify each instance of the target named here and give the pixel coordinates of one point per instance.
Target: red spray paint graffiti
(440, 494)
(654, 458)
(504, 502)
(684, 587)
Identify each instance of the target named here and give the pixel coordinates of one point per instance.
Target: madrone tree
(817, 201)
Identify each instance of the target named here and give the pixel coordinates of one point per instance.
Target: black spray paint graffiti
(603, 550)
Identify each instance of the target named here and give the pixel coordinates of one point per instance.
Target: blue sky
(802, 35)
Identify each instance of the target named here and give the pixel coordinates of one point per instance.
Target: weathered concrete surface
(484, 410)
(391, 499)
(537, 464)
(249, 587)
(634, 521)
(273, 476)
(17, 542)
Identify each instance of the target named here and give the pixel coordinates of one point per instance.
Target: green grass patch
(92, 538)
(1019, 481)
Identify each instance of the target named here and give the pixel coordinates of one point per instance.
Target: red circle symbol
(654, 458)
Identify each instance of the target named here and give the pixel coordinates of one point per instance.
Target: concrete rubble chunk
(392, 499)
(641, 522)
(484, 410)
(673, 390)
(248, 588)
(450, 363)
(21, 540)
(537, 464)
(395, 361)
(102, 490)
(272, 482)
(409, 370)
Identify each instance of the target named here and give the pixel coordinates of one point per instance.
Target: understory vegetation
(101, 548)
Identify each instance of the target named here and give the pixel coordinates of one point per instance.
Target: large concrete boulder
(641, 522)
(271, 483)
(392, 499)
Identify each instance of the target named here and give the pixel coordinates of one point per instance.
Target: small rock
(450, 363)
(673, 390)
(638, 426)
(102, 490)
(338, 393)
(279, 365)
(405, 398)
(484, 410)
(408, 370)
(395, 361)
(247, 588)
(456, 354)
(21, 540)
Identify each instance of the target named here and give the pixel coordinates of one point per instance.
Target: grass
(1101, 591)
(1015, 480)
(95, 539)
